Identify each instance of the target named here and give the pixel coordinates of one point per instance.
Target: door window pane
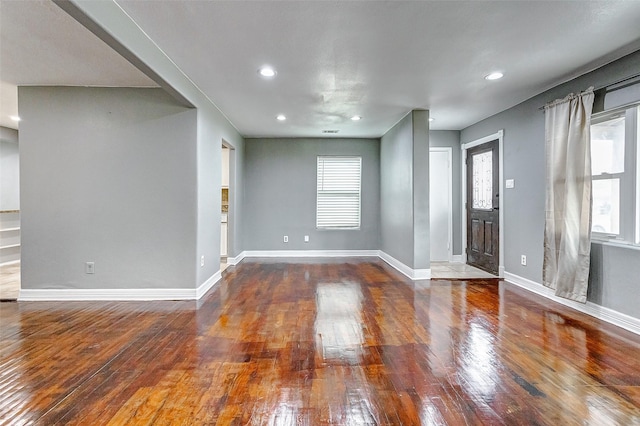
(607, 147)
(483, 181)
(606, 206)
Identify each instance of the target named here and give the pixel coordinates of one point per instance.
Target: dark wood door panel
(483, 229)
(488, 238)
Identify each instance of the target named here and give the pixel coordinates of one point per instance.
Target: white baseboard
(309, 253)
(208, 285)
(605, 314)
(456, 258)
(235, 260)
(10, 262)
(117, 294)
(144, 294)
(114, 294)
(414, 274)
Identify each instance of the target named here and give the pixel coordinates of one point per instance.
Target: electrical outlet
(306, 238)
(523, 260)
(286, 238)
(201, 261)
(89, 268)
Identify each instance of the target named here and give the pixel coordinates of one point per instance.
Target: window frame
(629, 208)
(319, 192)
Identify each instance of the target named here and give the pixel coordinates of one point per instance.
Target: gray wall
(280, 194)
(112, 25)
(614, 278)
(421, 209)
(404, 191)
(451, 138)
(108, 175)
(525, 204)
(9, 169)
(396, 191)
(213, 129)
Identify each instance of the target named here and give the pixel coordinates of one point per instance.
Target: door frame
(464, 147)
(449, 152)
(231, 212)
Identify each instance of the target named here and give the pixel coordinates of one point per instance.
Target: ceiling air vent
(330, 131)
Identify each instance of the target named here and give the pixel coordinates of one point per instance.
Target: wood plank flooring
(326, 342)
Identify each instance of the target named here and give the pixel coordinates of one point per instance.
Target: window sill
(614, 243)
(337, 228)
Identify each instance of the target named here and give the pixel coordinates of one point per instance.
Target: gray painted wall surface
(524, 161)
(280, 194)
(9, 169)
(396, 191)
(614, 279)
(421, 216)
(404, 191)
(109, 22)
(213, 129)
(451, 138)
(108, 175)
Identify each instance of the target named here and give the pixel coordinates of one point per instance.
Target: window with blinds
(338, 194)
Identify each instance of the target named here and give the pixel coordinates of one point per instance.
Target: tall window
(338, 192)
(614, 169)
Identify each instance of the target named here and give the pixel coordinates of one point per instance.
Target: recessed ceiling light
(267, 71)
(494, 76)
(281, 117)
(356, 118)
(14, 117)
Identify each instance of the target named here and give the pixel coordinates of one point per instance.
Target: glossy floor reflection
(319, 342)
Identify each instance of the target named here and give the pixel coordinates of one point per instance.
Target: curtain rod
(615, 83)
(619, 82)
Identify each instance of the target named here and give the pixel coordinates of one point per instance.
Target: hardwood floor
(348, 342)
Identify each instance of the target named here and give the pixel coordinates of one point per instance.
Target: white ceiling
(336, 58)
(381, 59)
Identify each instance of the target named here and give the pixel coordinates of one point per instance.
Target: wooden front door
(483, 222)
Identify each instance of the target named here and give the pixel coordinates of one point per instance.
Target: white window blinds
(338, 195)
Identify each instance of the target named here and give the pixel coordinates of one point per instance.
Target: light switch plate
(510, 183)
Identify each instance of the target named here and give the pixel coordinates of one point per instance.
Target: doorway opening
(441, 204)
(224, 214)
(482, 201)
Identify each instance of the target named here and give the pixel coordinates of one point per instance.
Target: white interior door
(440, 203)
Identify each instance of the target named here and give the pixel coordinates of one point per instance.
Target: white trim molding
(499, 135)
(117, 294)
(203, 288)
(413, 274)
(605, 314)
(309, 253)
(233, 261)
(148, 294)
(457, 258)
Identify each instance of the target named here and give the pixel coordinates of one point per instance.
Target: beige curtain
(567, 234)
